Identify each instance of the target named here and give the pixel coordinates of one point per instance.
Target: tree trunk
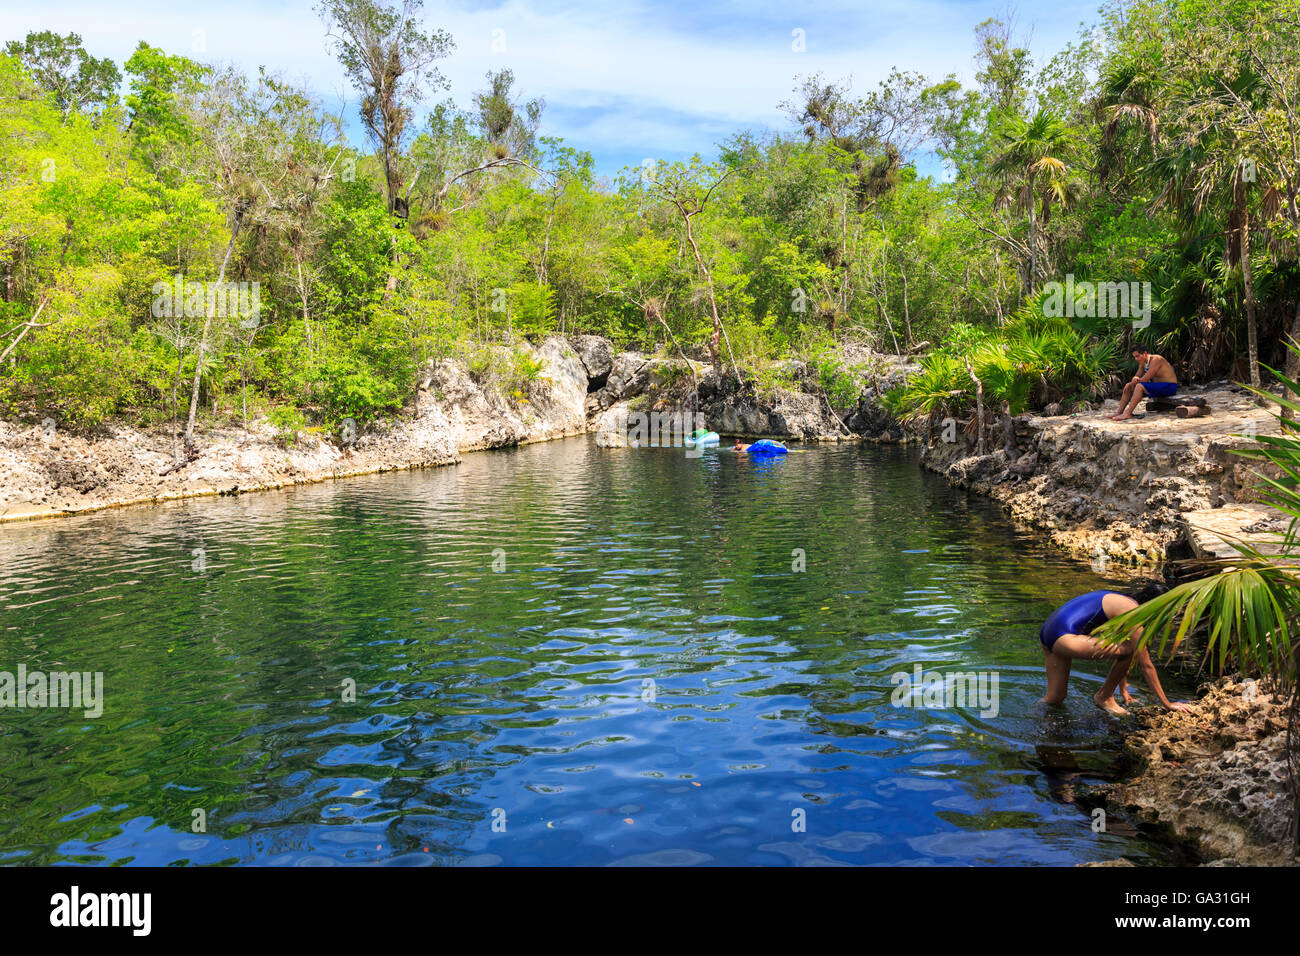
(907, 315)
(203, 340)
(1293, 360)
(1252, 327)
(27, 327)
(302, 293)
(1033, 240)
(176, 386)
(980, 447)
(997, 286)
(1009, 433)
(844, 253)
(715, 354)
(1243, 254)
(883, 298)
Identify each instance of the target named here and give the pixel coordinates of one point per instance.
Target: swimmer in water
(1066, 636)
(740, 447)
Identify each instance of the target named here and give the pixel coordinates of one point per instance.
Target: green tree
(1033, 164)
(60, 66)
(389, 58)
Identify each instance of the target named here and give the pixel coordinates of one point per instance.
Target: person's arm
(1153, 367)
(1148, 670)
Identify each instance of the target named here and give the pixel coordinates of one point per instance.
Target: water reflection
(560, 654)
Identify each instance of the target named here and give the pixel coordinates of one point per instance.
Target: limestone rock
(1216, 774)
(597, 356)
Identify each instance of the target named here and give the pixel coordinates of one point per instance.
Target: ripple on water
(553, 655)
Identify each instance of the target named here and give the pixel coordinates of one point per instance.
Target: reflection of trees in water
(231, 692)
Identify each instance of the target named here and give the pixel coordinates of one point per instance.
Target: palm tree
(1035, 173)
(1204, 181)
(1127, 98)
(1199, 169)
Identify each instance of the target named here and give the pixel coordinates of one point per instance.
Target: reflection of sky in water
(646, 680)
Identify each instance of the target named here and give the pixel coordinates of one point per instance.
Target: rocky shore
(1130, 493)
(1215, 776)
(583, 386)
(45, 472)
(731, 405)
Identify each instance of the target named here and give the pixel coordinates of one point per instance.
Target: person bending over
(1066, 637)
(1155, 377)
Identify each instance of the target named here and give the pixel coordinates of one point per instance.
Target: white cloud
(666, 75)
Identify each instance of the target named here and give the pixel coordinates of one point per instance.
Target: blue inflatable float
(765, 446)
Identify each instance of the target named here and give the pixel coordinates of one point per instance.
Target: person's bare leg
(1058, 677)
(1124, 407)
(1139, 393)
(1105, 698)
(1123, 400)
(1124, 693)
(1080, 647)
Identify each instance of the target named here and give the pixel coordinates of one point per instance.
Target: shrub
(1027, 363)
(287, 421)
(348, 388)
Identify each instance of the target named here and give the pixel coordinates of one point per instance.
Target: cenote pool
(562, 654)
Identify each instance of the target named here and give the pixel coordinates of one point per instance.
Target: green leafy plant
(288, 422)
(349, 388)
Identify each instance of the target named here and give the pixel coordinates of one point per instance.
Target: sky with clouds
(626, 81)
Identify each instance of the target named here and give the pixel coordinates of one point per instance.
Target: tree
(1003, 67)
(250, 136)
(389, 58)
(1033, 167)
(508, 125)
(161, 87)
(1248, 50)
(76, 81)
(688, 189)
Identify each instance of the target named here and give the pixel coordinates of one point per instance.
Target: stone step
(1207, 528)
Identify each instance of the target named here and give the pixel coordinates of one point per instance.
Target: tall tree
(688, 189)
(389, 58)
(1034, 169)
(76, 81)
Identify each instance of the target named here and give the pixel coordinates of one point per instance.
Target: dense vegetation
(1159, 148)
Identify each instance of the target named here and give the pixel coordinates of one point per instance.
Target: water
(645, 676)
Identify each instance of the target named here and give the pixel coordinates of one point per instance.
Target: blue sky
(626, 81)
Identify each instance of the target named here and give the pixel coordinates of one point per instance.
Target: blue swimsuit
(1079, 615)
(1159, 389)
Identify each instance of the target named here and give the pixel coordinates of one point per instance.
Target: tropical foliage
(922, 216)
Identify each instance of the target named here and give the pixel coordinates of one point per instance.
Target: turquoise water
(561, 654)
